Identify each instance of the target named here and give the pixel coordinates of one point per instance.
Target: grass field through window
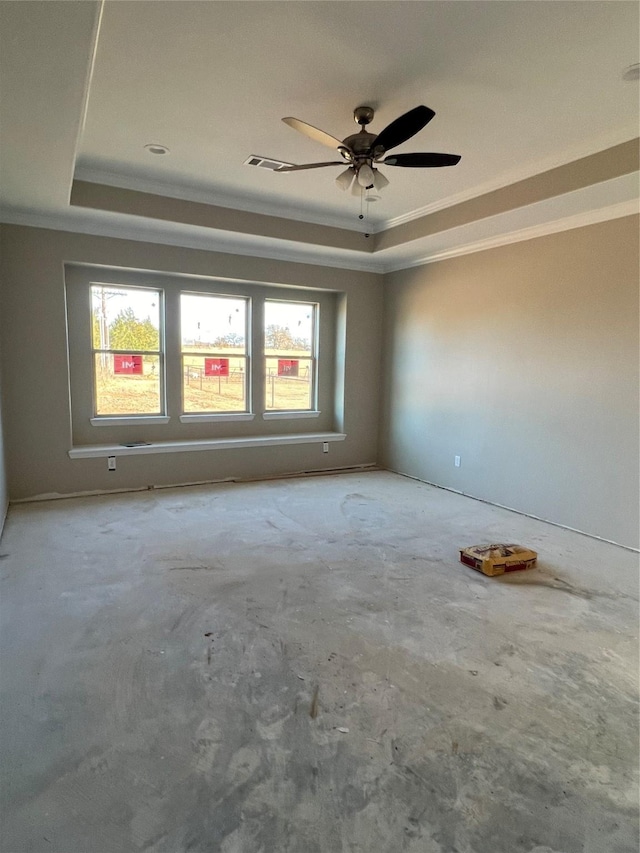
(118, 394)
(128, 333)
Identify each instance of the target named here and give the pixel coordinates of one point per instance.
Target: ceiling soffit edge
(135, 228)
(123, 227)
(611, 140)
(209, 197)
(603, 166)
(91, 65)
(470, 246)
(595, 170)
(117, 212)
(151, 206)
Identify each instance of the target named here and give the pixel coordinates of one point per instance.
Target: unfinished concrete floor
(162, 651)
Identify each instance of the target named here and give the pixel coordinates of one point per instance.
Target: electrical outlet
(111, 463)
(456, 461)
(325, 446)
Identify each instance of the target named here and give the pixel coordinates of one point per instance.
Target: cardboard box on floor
(497, 559)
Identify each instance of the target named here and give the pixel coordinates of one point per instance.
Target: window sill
(94, 451)
(275, 416)
(211, 417)
(134, 420)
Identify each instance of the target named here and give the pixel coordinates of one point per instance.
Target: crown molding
(611, 199)
(520, 173)
(568, 223)
(375, 265)
(123, 227)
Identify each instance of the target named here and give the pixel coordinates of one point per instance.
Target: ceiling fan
(363, 151)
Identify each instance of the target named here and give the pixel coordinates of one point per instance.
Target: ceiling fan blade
(309, 166)
(313, 132)
(422, 160)
(403, 128)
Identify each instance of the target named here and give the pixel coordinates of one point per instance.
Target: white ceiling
(517, 87)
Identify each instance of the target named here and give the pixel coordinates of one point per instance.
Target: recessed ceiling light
(632, 73)
(154, 148)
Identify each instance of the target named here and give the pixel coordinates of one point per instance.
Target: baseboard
(511, 509)
(314, 472)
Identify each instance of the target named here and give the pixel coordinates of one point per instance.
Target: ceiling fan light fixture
(379, 180)
(365, 175)
(345, 178)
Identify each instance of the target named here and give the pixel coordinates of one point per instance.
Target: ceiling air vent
(265, 163)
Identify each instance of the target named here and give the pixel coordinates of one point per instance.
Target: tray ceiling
(518, 88)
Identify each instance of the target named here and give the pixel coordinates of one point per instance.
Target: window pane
(125, 318)
(288, 328)
(289, 347)
(214, 383)
(214, 364)
(127, 384)
(213, 323)
(289, 383)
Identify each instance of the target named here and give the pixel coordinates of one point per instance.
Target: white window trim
(279, 415)
(215, 352)
(160, 353)
(211, 417)
(94, 451)
(128, 420)
(313, 357)
(174, 426)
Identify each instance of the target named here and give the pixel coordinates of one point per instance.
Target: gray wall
(37, 416)
(4, 494)
(522, 360)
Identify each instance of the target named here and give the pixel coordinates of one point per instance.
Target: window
(290, 355)
(214, 353)
(127, 354)
(159, 357)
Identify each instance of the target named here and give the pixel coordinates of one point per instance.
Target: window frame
(160, 353)
(187, 417)
(312, 358)
(176, 426)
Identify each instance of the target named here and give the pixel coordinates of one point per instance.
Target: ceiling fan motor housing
(360, 143)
